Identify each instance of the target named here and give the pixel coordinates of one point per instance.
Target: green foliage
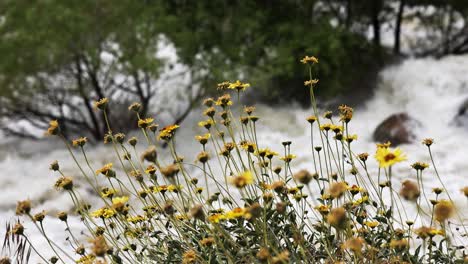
(260, 40)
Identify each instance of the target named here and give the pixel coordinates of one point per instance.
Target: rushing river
(429, 90)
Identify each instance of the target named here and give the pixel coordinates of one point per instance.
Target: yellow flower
(419, 165)
(101, 104)
(203, 139)
(224, 100)
(144, 123)
(216, 218)
(371, 224)
(243, 179)
(168, 132)
(311, 82)
(323, 209)
(350, 138)
(206, 124)
(238, 86)
(387, 157)
(103, 213)
(288, 158)
(53, 129)
(106, 170)
(384, 145)
(235, 213)
(135, 219)
(79, 141)
(309, 59)
(120, 200)
(224, 85)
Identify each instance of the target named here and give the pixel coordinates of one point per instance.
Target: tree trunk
(399, 18)
(376, 23)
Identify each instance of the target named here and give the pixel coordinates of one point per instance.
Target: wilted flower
(79, 141)
(100, 247)
(135, 107)
(428, 141)
(170, 171)
(443, 210)
(53, 129)
(337, 189)
(309, 60)
(337, 218)
(23, 207)
(150, 154)
(101, 104)
(303, 176)
(410, 190)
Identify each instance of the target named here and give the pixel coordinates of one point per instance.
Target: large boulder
(397, 128)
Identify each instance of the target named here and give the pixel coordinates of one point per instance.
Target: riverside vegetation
(249, 204)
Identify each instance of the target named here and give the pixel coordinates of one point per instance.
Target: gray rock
(397, 128)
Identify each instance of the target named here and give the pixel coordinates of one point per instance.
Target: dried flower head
(464, 190)
(170, 171)
(309, 60)
(65, 183)
(189, 256)
(23, 207)
(428, 141)
(135, 107)
(410, 190)
(39, 217)
(79, 142)
(337, 218)
(209, 102)
(337, 189)
(18, 229)
(63, 216)
(443, 210)
(354, 244)
(54, 128)
(100, 247)
(54, 166)
(150, 154)
(303, 176)
(101, 104)
(223, 85)
(401, 244)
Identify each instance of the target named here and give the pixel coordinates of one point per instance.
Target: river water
(429, 90)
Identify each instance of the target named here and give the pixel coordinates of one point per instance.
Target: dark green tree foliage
(262, 41)
(59, 56)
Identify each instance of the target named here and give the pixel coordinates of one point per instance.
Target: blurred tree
(262, 41)
(59, 56)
